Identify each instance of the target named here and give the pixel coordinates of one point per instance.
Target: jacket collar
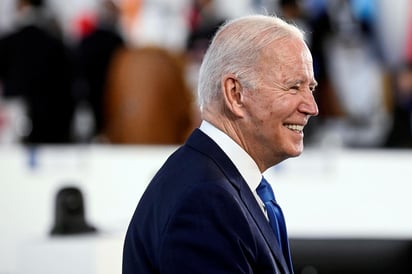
(204, 144)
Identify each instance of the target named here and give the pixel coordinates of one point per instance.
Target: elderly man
(209, 209)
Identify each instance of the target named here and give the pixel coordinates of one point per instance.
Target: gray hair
(235, 49)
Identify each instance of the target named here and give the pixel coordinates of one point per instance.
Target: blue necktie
(276, 218)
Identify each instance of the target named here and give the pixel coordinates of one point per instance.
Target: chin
(295, 151)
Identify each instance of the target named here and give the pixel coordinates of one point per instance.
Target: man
(35, 66)
(202, 213)
(94, 56)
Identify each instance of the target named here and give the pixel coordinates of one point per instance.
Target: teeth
(295, 127)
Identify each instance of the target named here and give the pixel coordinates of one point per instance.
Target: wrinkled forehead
(286, 53)
(287, 49)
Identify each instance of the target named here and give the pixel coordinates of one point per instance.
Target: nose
(309, 105)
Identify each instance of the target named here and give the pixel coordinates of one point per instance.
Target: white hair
(235, 49)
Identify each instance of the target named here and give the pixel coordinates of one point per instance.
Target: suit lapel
(263, 224)
(201, 142)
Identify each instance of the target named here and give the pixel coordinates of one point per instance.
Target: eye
(295, 88)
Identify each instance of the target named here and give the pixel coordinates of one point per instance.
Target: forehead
(287, 58)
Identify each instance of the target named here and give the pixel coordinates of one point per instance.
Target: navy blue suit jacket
(198, 215)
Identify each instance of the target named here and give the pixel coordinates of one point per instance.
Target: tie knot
(265, 192)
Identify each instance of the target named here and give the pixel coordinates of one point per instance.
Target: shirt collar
(240, 158)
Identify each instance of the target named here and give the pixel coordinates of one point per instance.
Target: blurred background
(95, 94)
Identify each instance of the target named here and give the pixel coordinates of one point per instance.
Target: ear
(233, 95)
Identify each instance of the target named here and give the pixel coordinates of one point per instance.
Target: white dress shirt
(243, 162)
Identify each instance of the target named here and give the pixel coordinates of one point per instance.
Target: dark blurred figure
(70, 217)
(316, 28)
(292, 11)
(401, 132)
(203, 23)
(346, 56)
(35, 65)
(320, 28)
(93, 56)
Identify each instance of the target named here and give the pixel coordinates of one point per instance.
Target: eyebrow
(298, 82)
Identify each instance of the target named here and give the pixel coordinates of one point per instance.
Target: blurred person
(203, 22)
(401, 131)
(94, 53)
(35, 65)
(351, 58)
(295, 12)
(203, 211)
(312, 17)
(393, 23)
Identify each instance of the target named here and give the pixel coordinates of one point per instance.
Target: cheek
(264, 115)
(267, 112)
(278, 110)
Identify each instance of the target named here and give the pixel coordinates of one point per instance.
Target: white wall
(112, 180)
(324, 193)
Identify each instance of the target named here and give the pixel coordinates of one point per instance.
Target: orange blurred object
(130, 10)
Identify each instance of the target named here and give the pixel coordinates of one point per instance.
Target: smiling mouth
(294, 127)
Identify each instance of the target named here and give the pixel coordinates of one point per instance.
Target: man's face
(282, 103)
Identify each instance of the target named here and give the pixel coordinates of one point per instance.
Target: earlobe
(233, 95)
